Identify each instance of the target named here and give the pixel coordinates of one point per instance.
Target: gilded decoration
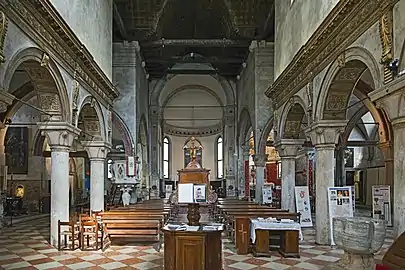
(341, 60)
(344, 25)
(45, 60)
(42, 23)
(3, 32)
(386, 36)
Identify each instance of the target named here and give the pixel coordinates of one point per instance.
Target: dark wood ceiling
(213, 32)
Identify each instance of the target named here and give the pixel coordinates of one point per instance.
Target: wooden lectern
(194, 174)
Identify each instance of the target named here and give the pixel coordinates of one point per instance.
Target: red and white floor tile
(25, 246)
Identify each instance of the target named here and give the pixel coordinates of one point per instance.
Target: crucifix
(243, 233)
(193, 148)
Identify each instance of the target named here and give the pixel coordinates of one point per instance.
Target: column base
(353, 261)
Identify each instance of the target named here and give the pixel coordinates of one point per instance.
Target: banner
(267, 192)
(247, 174)
(382, 203)
(303, 205)
(169, 190)
(130, 166)
(340, 205)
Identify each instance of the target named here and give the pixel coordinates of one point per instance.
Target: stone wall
(295, 24)
(177, 155)
(92, 22)
(125, 78)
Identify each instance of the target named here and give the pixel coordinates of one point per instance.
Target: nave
(26, 246)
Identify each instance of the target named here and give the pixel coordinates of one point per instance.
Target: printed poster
(303, 205)
(200, 193)
(382, 203)
(169, 190)
(267, 192)
(340, 205)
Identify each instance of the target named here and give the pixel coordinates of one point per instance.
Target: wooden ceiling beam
(196, 43)
(198, 60)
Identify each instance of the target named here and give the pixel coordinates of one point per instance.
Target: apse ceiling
(213, 32)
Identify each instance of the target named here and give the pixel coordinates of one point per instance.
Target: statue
(126, 197)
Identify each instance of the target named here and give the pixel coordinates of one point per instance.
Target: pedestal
(193, 214)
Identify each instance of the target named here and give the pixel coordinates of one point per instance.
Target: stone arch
(90, 119)
(340, 80)
(46, 79)
(244, 125)
(293, 119)
(261, 147)
(126, 135)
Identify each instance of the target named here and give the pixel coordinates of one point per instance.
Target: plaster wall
(295, 24)
(177, 155)
(92, 22)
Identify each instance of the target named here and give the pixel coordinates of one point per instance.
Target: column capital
(387, 150)
(60, 135)
(288, 148)
(398, 123)
(326, 132)
(6, 99)
(260, 160)
(96, 150)
(245, 150)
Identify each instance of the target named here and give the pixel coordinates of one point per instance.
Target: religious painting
(16, 148)
(192, 149)
(349, 157)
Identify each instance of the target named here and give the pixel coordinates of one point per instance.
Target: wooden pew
(394, 259)
(242, 227)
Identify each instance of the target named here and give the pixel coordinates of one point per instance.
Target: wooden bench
(394, 259)
(140, 226)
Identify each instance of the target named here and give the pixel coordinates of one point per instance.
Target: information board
(303, 205)
(382, 203)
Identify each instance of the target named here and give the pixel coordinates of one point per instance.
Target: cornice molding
(40, 20)
(343, 26)
(187, 132)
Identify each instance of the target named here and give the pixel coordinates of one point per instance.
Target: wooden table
(189, 250)
(290, 234)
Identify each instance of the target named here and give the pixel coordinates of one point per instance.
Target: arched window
(110, 165)
(220, 158)
(166, 157)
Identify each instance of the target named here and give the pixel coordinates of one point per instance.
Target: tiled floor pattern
(25, 246)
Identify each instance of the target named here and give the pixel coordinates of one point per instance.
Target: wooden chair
(72, 234)
(88, 230)
(394, 259)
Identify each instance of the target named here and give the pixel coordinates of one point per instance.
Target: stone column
(388, 153)
(324, 135)
(60, 138)
(398, 126)
(97, 152)
(154, 148)
(229, 148)
(3, 184)
(243, 155)
(260, 163)
(287, 150)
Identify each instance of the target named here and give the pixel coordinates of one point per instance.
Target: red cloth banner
(247, 175)
(310, 178)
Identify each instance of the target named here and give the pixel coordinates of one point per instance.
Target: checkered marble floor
(25, 246)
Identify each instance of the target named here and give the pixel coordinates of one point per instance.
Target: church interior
(202, 135)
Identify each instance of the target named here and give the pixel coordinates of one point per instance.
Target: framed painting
(16, 148)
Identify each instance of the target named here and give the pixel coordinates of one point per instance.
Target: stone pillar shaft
(398, 185)
(260, 162)
(97, 152)
(97, 184)
(288, 183)
(59, 189)
(325, 175)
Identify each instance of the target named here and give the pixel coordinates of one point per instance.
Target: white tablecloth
(273, 226)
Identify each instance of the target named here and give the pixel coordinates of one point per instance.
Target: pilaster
(243, 156)
(154, 112)
(229, 147)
